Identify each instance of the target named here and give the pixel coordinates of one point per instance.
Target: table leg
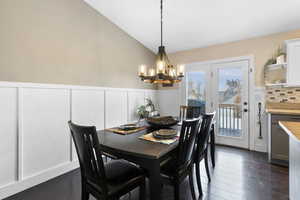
(212, 145)
(155, 181)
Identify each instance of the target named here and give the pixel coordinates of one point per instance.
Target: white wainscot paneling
(35, 143)
(115, 108)
(8, 134)
(135, 99)
(88, 110)
(45, 133)
(153, 96)
(169, 102)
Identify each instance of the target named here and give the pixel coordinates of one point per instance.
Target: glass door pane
(196, 89)
(230, 105)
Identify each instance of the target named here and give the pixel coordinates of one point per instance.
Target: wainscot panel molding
(169, 101)
(8, 134)
(87, 109)
(135, 99)
(35, 143)
(116, 103)
(45, 134)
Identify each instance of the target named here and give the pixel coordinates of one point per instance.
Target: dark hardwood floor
(238, 175)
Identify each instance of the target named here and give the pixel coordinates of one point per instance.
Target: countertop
(283, 111)
(283, 108)
(291, 128)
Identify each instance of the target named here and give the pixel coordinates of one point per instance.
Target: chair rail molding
(34, 120)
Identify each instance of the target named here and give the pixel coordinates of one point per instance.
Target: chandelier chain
(161, 22)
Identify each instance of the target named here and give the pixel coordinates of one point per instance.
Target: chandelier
(164, 73)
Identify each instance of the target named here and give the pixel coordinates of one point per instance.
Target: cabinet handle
(295, 118)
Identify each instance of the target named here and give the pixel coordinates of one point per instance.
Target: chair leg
(142, 194)
(191, 180)
(84, 194)
(212, 146)
(207, 166)
(176, 191)
(198, 179)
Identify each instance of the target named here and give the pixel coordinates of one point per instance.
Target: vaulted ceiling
(198, 23)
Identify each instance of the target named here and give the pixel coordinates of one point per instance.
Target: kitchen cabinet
(293, 62)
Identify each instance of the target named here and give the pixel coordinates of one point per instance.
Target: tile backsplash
(283, 95)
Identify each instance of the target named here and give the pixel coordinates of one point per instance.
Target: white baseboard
(27, 183)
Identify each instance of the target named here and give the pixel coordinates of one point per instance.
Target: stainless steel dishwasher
(278, 140)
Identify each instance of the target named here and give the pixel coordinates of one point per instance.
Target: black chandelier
(164, 73)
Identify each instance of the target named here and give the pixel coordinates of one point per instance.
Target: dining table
(148, 155)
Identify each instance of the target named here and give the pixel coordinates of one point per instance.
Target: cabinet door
(293, 59)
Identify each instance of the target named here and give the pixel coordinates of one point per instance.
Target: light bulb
(160, 67)
(181, 70)
(151, 72)
(142, 70)
(171, 72)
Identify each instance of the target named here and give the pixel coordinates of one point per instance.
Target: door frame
(251, 90)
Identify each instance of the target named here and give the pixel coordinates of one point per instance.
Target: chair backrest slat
(186, 142)
(204, 132)
(89, 154)
(190, 112)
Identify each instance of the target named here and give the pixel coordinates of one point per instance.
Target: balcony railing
(230, 120)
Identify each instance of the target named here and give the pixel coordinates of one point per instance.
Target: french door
(222, 87)
(230, 101)
(197, 86)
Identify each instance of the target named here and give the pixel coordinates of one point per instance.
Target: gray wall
(66, 42)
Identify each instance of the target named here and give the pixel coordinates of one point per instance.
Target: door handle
(245, 103)
(245, 110)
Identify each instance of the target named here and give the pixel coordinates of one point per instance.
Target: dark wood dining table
(148, 155)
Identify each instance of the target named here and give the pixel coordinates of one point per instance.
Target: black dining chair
(107, 181)
(190, 112)
(201, 147)
(179, 167)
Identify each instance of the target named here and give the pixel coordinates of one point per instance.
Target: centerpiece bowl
(162, 122)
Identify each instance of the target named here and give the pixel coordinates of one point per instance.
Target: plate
(165, 134)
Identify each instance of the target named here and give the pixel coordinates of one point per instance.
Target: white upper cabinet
(293, 62)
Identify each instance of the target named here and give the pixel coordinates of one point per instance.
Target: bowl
(161, 122)
(128, 126)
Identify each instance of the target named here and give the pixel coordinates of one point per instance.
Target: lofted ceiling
(198, 23)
